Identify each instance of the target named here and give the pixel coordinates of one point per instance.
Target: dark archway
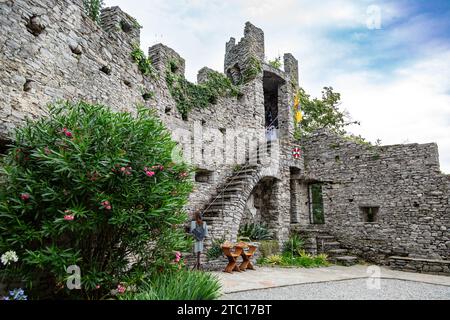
(271, 84)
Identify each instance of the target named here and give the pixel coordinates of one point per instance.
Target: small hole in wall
(28, 86)
(75, 48)
(351, 179)
(127, 83)
(357, 157)
(337, 158)
(415, 204)
(106, 69)
(167, 110)
(223, 130)
(125, 26)
(147, 96)
(203, 122)
(4, 146)
(35, 26)
(184, 117)
(350, 200)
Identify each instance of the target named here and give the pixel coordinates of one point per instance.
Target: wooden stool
(246, 256)
(232, 257)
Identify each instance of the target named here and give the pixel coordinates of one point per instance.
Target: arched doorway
(260, 207)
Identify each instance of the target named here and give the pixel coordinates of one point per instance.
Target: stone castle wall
(51, 50)
(404, 181)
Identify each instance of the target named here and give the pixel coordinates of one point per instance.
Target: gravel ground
(356, 289)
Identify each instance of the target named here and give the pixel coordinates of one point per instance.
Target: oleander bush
(94, 188)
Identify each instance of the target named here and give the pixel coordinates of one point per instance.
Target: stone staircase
(318, 240)
(336, 254)
(230, 197)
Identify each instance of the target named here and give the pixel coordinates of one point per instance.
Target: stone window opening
(35, 26)
(106, 69)
(204, 176)
(5, 145)
(369, 214)
(271, 83)
(125, 26)
(28, 86)
(315, 199)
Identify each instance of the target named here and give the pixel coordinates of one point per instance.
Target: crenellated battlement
(117, 22)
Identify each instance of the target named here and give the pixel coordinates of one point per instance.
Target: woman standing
(200, 230)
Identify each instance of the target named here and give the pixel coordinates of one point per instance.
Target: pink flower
(161, 167)
(25, 196)
(97, 287)
(184, 174)
(67, 133)
(69, 217)
(106, 205)
(177, 257)
(150, 173)
(123, 169)
(121, 288)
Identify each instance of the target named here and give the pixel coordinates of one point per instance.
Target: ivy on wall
(93, 9)
(188, 95)
(144, 63)
(252, 70)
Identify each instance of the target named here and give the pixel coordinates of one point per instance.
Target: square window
(369, 214)
(203, 176)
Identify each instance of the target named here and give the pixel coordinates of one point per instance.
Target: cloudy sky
(390, 60)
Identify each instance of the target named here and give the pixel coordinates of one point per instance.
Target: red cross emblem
(296, 153)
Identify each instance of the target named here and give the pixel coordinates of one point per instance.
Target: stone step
(325, 237)
(229, 189)
(234, 183)
(213, 213)
(220, 204)
(245, 171)
(209, 218)
(241, 177)
(331, 245)
(346, 260)
(336, 252)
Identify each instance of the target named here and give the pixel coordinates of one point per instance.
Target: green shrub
(255, 231)
(252, 70)
(144, 63)
(276, 63)
(293, 246)
(216, 250)
(182, 285)
(302, 261)
(268, 247)
(91, 187)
